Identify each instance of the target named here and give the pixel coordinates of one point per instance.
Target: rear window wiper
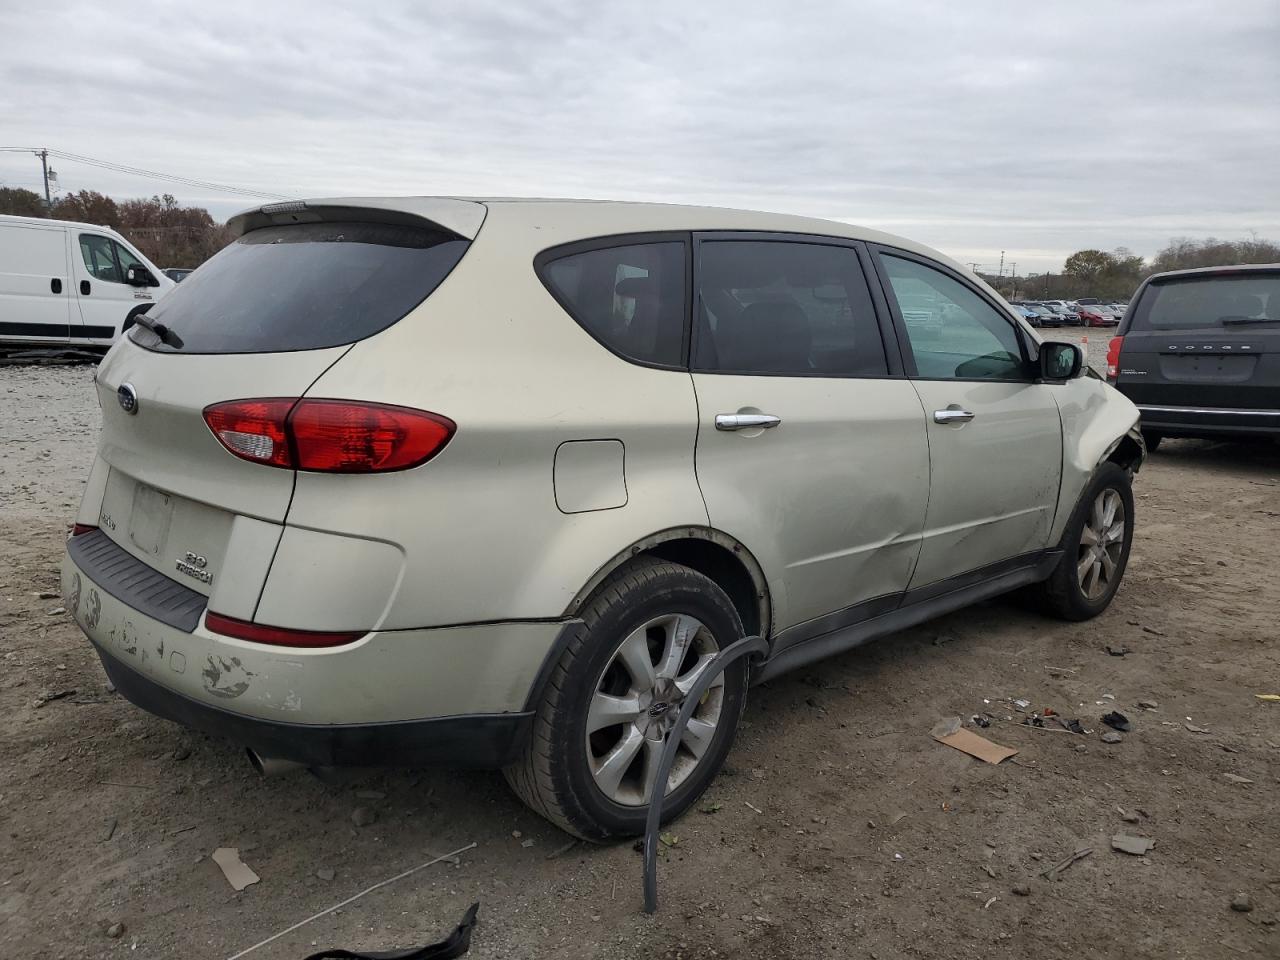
(1241, 321)
(166, 335)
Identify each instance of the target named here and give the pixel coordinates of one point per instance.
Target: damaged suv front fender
(1099, 424)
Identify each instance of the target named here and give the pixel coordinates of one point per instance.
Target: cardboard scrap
(237, 874)
(1134, 845)
(954, 735)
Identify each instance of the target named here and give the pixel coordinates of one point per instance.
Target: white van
(70, 284)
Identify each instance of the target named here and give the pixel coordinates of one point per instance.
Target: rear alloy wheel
(1095, 549)
(610, 707)
(637, 700)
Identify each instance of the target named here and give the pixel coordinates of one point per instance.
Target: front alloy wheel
(1095, 548)
(1102, 543)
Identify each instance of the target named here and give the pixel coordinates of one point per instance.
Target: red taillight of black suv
(1113, 359)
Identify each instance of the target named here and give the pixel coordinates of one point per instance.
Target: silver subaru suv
(491, 483)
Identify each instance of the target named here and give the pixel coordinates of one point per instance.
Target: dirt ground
(840, 828)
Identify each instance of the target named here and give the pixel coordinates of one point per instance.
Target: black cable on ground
(746, 647)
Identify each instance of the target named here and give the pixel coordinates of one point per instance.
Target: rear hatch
(1206, 340)
(263, 319)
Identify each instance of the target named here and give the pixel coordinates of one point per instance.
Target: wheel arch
(715, 555)
(1128, 452)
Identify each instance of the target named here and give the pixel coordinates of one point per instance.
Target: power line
(143, 172)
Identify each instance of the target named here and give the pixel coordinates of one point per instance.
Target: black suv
(1198, 351)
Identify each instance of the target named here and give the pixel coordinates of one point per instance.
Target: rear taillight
(329, 436)
(253, 429)
(1113, 358)
(278, 636)
(80, 528)
(335, 436)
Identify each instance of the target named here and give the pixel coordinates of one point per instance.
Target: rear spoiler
(462, 218)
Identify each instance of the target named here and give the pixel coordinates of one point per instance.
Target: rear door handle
(952, 415)
(745, 421)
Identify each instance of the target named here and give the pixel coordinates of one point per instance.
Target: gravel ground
(839, 829)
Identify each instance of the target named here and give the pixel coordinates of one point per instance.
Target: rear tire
(1152, 440)
(595, 784)
(1096, 549)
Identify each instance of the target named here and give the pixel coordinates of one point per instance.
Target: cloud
(975, 127)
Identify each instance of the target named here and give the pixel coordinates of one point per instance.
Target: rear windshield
(1235, 302)
(302, 287)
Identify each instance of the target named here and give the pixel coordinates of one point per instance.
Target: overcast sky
(1034, 128)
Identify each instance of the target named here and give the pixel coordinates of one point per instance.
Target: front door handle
(746, 421)
(952, 415)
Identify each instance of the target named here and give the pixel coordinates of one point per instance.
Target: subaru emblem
(128, 398)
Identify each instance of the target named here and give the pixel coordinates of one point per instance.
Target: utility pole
(973, 267)
(1001, 272)
(1013, 275)
(43, 154)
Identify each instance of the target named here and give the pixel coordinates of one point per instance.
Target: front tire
(1096, 549)
(611, 701)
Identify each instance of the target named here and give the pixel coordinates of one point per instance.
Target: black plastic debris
(1074, 726)
(1117, 721)
(981, 720)
(455, 945)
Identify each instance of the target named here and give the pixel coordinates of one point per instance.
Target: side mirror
(140, 277)
(1060, 361)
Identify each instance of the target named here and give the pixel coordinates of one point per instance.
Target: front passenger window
(126, 258)
(99, 259)
(954, 333)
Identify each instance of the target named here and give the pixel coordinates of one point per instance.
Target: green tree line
(170, 234)
(1115, 275)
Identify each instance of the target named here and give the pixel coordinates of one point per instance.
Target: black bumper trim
(116, 571)
(1202, 421)
(486, 741)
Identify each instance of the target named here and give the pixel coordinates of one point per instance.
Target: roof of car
(560, 220)
(1229, 268)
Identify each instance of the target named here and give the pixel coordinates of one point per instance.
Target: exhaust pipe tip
(271, 766)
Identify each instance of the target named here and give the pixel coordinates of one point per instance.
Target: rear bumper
(1209, 421)
(450, 695)
(480, 740)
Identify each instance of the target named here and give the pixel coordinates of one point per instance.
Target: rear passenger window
(787, 309)
(630, 298)
(99, 259)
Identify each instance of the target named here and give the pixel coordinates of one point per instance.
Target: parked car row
(1073, 313)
